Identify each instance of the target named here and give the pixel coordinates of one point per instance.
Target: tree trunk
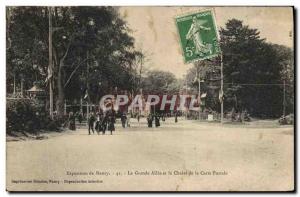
(60, 91)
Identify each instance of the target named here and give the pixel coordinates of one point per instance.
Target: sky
(156, 34)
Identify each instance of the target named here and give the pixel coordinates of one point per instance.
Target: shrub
(287, 120)
(25, 115)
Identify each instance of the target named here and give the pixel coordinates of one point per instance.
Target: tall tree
(159, 82)
(254, 71)
(92, 50)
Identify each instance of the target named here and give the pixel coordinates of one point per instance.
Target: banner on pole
(221, 96)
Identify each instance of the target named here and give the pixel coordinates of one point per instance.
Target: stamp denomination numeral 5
(189, 52)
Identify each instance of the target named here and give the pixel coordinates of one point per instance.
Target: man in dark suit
(91, 121)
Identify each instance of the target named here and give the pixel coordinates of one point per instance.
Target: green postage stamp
(198, 35)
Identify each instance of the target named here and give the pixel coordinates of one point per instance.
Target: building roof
(35, 89)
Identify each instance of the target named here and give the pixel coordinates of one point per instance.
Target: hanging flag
(49, 74)
(196, 80)
(221, 96)
(86, 94)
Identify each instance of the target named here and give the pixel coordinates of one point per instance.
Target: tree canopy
(159, 82)
(92, 50)
(254, 73)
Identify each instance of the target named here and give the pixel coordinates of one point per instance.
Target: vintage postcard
(176, 99)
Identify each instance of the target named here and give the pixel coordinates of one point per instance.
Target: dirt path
(199, 156)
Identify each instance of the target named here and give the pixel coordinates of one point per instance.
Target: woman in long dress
(111, 122)
(194, 35)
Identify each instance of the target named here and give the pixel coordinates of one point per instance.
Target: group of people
(125, 120)
(155, 118)
(102, 122)
(72, 119)
(105, 121)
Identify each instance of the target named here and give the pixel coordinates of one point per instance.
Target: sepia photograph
(150, 98)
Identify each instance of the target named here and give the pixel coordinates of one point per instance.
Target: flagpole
(186, 95)
(199, 92)
(50, 63)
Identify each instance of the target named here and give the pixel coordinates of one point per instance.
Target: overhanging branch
(74, 71)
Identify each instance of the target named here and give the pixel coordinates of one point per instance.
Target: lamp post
(222, 84)
(198, 78)
(87, 87)
(90, 23)
(186, 95)
(35, 68)
(199, 90)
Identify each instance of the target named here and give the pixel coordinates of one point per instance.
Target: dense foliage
(254, 73)
(92, 51)
(159, 82)
(94, 54)
(24, 115)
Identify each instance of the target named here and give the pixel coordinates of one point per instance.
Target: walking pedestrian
(111, 122)
(72, 121)
(80, 117)
(104, 123)
(123, 119)
(157, 123)
(91, 121)
(98, 123)
(138, 117)
(149, 120)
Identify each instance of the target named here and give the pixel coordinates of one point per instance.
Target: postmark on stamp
(198, 35)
